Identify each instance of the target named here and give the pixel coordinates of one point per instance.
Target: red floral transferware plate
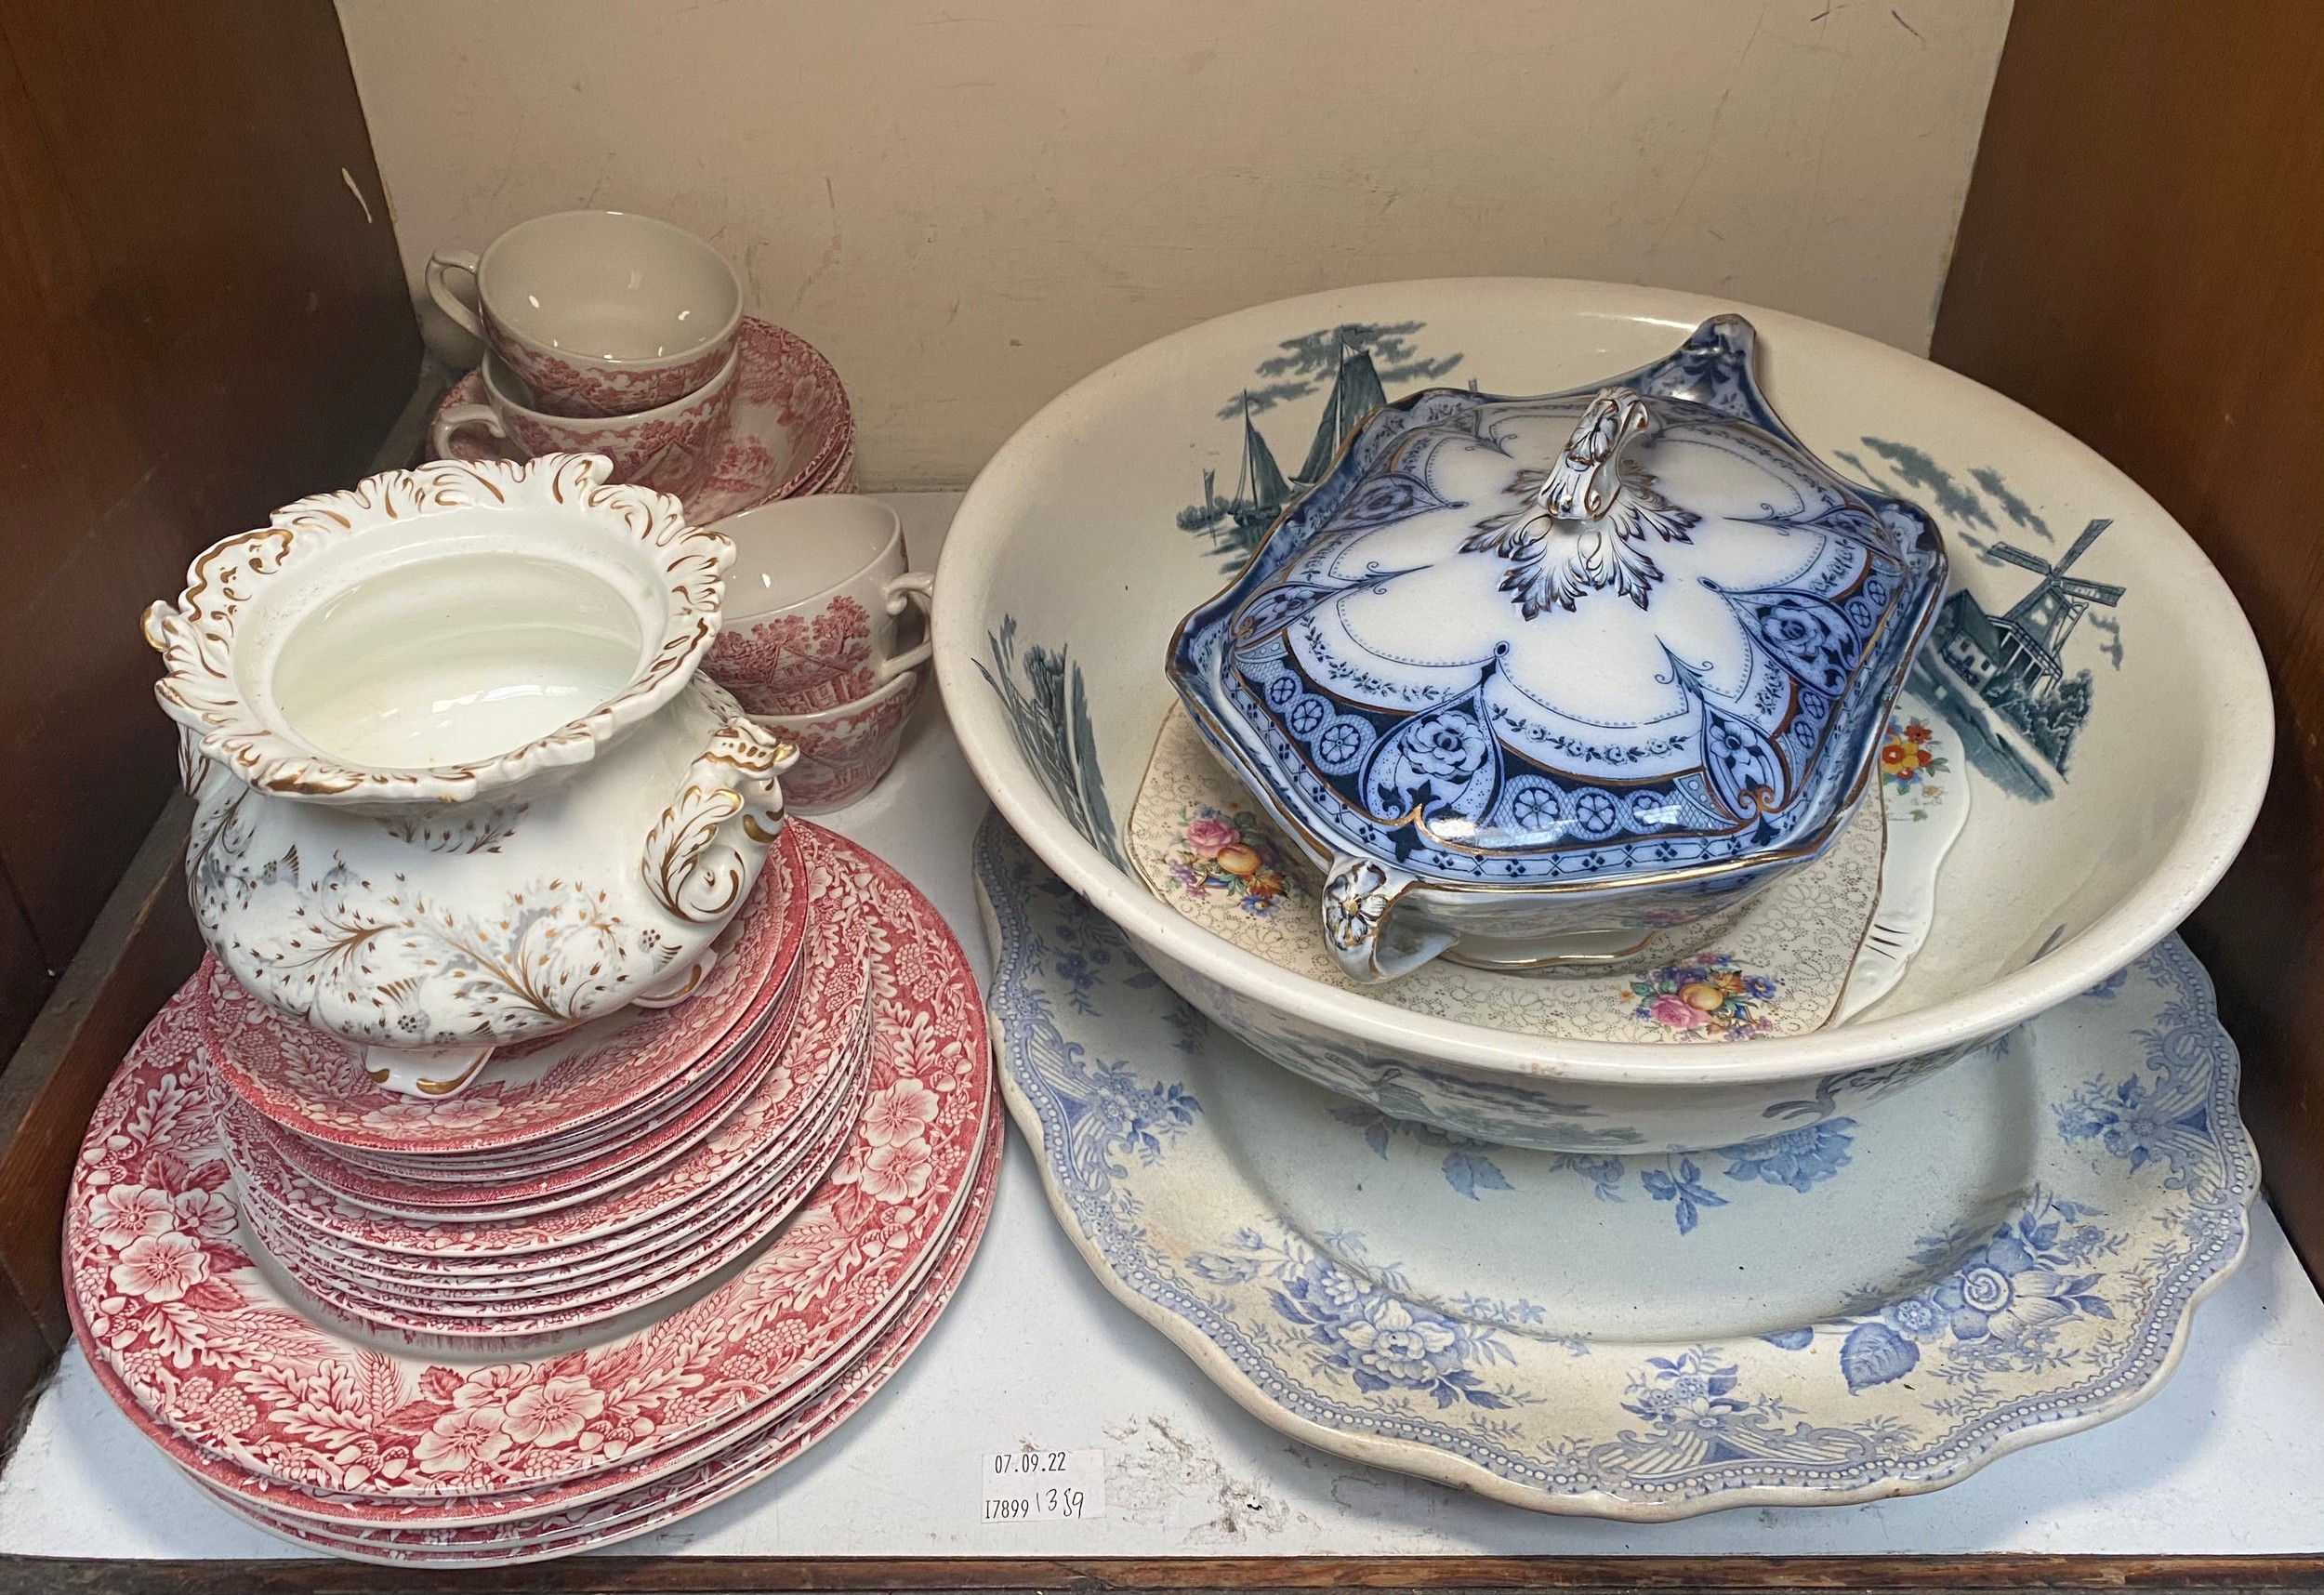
(630, 1283)
(801, 1102)
(165, 1293)
(651, 1145)
(781, 1184)
(767, 1447)
(572, 1518)
(764, 1134)
(789, 433)
(345, 1514)
(616, 1491)
(625, 1492)
(752, 1153)
(311, 1083)
(531, 1314)
(464, 1170)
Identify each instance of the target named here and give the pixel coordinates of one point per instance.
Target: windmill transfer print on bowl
(2018, 683)
(1777, 966)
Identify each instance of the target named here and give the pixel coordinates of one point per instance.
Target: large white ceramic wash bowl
(2105, 683)
(458, 781)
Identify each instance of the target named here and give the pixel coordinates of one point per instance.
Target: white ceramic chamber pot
(813, 605)
(671, 449)
(458, 781)
(600, 312)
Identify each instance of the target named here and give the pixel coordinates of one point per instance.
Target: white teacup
(672, 449)
(598, 312)
(813, 605)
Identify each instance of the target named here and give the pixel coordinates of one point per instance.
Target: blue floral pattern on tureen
(2058, 1291)
(1438, 661)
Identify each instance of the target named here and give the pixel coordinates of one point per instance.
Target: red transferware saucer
(355, 1291)
(653, 1144)
(764, 1131)
(721, 1223)
(469, 1171)
(503, 1329)
(757, 1160)
(755, 1152)
(791, 432)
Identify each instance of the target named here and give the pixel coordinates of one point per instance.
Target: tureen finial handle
(1587, 478)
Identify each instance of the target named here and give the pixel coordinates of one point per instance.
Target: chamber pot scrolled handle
(732, 798)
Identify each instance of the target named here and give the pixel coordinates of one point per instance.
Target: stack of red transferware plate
(630, 1271)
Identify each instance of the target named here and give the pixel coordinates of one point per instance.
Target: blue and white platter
(1854, 1306)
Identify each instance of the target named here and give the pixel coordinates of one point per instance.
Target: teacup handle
(440, 264)
(693, 866)
(459, 416)
(912, 587)
(1360, 898)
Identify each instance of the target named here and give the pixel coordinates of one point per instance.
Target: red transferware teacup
(813, 605)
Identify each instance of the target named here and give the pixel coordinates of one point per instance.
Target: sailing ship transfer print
(1358, 360)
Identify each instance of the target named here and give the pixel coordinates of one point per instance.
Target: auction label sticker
(1027, 1486)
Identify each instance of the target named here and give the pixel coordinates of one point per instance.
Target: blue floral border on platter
(1703, 1444)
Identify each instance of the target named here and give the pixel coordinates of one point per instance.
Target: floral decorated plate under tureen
(1826, 941)
(1534, 679)
(1847, 1307)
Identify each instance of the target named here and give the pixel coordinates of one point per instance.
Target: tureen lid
(1633, 631)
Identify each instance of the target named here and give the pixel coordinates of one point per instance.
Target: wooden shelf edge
(1098, 1576)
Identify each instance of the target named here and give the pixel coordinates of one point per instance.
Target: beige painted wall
(969, 204)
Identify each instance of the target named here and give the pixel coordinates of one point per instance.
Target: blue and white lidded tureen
(1535, 678)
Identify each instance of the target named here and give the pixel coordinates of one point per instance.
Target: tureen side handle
(1360, 925)
(694, 862)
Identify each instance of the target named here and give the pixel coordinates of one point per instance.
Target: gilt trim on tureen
(196, 636)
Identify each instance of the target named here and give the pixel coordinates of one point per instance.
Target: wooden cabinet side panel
(2141, 259)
